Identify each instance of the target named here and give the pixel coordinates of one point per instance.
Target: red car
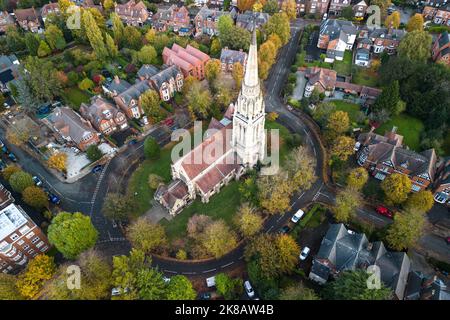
(385, 211)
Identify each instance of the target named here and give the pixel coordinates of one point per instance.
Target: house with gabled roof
(321, 79)
(341, 251)
(6, 20)
(49, 8)
(336, 36)
(129, 100)
(115, 87)
(229, 57)
(441, 185)
(166, 81)
(441, 49)
(250, 20)
(190, 60)
(133, 13)
(206, 21)
(384, 155)
(359, 9)
(28, 19)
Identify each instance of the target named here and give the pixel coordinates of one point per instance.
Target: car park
(249, 289)
(384, 211)
(297, 216)
(304, 254)
(37, 181)
(284, 230)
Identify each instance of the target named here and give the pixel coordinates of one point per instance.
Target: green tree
(342, 147)
(32, 41)
(421, 201)
(151, 104)
(347, 13)
(39, 270)
(415, 23)
(301, 165)
(396, 188)
(352, 285)
(218, 239)
(20, 180)
(8, 287)
(151, 148)
(215, 48)
(132, 38)
(147, 55)
(35, 197)
(357, 178)
(154, 181)
(94, 153)
(415, 46)
(54, 37)
(180, 288)
(406, 229)
(151, 285)
(111, 47)
(38, 69)
(279, 24)
(247, 220)
(86, 84)
(298, 292)
(72, 233)
(43, 50)
(347, 201)
(228, 287)
(199, 100)
(271, 7)
(118, 29)
(9, 171)
(389, 99)
(146, 236)
(94, 34)
(322, 112)
(118, 206)
(14, 40)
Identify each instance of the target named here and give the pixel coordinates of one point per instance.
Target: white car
(249, 289)
(304, 254)
(297, 216)
(357, 146)
(351, 231)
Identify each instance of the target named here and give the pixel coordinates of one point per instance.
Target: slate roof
(147, 71)
(69, 124)
(206, 13)
(422, 287)
(340, 251)
(134, 92)
(231, 56)
(118, 85)
(337, 29)
(176, 190)
(248, 19)
(444, 39)
(165, 75)
(95, 110)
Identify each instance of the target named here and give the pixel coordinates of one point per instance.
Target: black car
(2, 165)
(284, 230)
(205, 296)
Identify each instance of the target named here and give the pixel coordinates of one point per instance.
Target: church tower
(249, 113)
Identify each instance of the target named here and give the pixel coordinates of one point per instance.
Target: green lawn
(139, 180)
(284, 133)
(75, 97)
(344, 67)
(351, 108)
(409, 127)
(221, 206)
(365, 77)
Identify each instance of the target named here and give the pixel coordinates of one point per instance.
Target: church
(236, 144)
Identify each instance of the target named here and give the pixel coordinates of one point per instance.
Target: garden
(408, 126)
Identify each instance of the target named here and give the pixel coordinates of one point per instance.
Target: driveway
(300, 86)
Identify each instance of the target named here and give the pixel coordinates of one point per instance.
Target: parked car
(350, 231)
(304, 254)
(385, 212)
(297, 216)
(290, 107)
(357, 146)
(5, 149)
(37, 181)
(12, 156)
(53, 198)
(132, 142)
(205, 296)
(97, 168)
(211, 281)
(115, 292)
(1, 144)
(441, 197)
(2, 165)
(284, 230)
(75, 150)
(249, 289)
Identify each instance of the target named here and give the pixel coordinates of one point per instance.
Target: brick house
(71, 128)
(28, 19)
(20, 238)
(129, 100)
(336, 36)
(249, 19)
(439, 15)
(104, 117)
(229, 57)
(132, 13)
(321, 79)
(359, 10)
(9, 71)
(300, 6)
(206, 21)
(49, 8)
(336, 7)
(380, 40)
(317, 7)
(176, 19)
(441, 186)
(384, 155)
(115, 87)
(441, 49)
(191, 61)
(5, 21)
(166, 82)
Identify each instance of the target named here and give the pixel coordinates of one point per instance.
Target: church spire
(251, 78)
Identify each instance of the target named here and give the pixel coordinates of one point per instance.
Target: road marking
(271, 227)
(210, 270)
(189, 272)
(227, 265)
(241, 257)
(170, 271)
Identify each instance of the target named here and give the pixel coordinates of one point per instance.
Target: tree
(393, 20)
(8, 287)
(150, 36)
(415, 23)
(151, 148)
(421, 201)
(389, 99)
(343, 147)
(406, 229)
(215, 48)
(147, 55)
(14, 40)
(227, 287)
(94, 153)
(322, 112)
(39, 270)
(54, 37)
(290, 8)
(20, 180)
(35, 197)
(347, 200)
(86, 84)
(212, 71)
(245, 5)
(383, 4)
(338, 122)
(118, 29)
(146, 236)
(9, 171)
(94, 35)
(154, 181)
(396, 188)
(218, 239)
(199, 100)
(188, 83)
(271, 7)
(118, 206)
(197, 225)
(301, 165)
(248, 221)
(298, 292)
(72, 233)
(357, 178)
(232, 36)
(58, 161)
(180, 288)
(19, 134)
(132, 38)
(151, 104)
(111, 47)
(288, 250)
(352, 285)
(415, 46)
(151, 285)
(347, 13)
(274, 192)
(238, 74)
(32, 41)
(279, 24)
(43, 50)
(223, 96)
